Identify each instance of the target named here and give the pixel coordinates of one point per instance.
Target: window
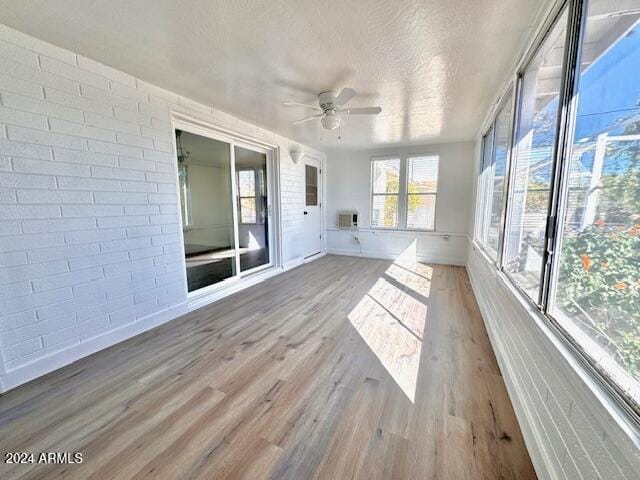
(247, 194)
(483, 180)
(597, 296)
(535, 146)
(385, 190)
(403, 192)
(572, 236)
(502, 129)
(495, 148)
(311, 185)
(422, 186)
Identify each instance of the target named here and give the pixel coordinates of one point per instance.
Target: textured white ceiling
(433, 65)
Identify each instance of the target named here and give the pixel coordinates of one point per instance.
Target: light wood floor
(341, 368)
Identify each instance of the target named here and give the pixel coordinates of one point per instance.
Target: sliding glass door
(253, 209)
(224, 203)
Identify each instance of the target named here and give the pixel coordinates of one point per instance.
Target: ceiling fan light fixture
(330, 120)
(332, 107)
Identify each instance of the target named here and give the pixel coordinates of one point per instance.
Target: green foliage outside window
(599, 282)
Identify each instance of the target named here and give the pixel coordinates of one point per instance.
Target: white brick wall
(569, 432)
(89, 226)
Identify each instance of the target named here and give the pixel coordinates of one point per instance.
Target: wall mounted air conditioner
(347, 220)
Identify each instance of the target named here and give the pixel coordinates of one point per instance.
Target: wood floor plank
(342, 368)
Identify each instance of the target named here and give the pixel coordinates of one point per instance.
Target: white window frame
(254, 196)
(486, 179)
(432, 194)
(403, 196)
(372, 194)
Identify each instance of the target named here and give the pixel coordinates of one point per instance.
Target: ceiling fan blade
(307, 119)
(363, 111)
(345, 95)
(297, 104)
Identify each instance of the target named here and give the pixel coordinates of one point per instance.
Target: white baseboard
(72, 353)
(59, 359)
(385, 255)
(313, 257)
(296, 262)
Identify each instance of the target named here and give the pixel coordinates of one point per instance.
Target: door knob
(306, 212)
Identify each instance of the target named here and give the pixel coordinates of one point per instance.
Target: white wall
(89, 230)
(348, 188)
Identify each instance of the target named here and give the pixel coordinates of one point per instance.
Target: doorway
(225, 205)
(312, 207)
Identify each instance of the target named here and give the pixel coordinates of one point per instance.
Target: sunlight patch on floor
(407, 277)
(408, 260)
(392, 321)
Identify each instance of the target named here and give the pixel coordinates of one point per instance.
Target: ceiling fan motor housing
(326, 99)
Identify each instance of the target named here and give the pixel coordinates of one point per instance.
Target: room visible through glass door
(253, 212)
(206, 202)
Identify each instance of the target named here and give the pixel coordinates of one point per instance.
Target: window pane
(206, 196)
(598, 290)
(183, 180)
(384, 211)
(248, 210)
(311, 186)
(421, 211)
(496, 184)
(247, 183)
(385, 176)
(422, 174)
(535, 145)
(485, 169)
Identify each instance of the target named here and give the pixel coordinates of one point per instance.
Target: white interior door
(312, 207)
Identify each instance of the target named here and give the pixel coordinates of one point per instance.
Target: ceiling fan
(331, 107)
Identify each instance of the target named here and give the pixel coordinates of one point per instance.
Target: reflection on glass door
(206, 193)
(253, 217)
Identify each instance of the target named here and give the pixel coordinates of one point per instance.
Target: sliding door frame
(180, 121)
(270, 201)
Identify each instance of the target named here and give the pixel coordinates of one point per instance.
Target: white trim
(386, 255)
(372, 194)
(406, 191)
(390, 231)
(321, 202)
(314, 257)
(59, 359)
(296, 262)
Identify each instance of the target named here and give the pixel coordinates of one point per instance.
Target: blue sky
(611, 84)
(609, 91)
